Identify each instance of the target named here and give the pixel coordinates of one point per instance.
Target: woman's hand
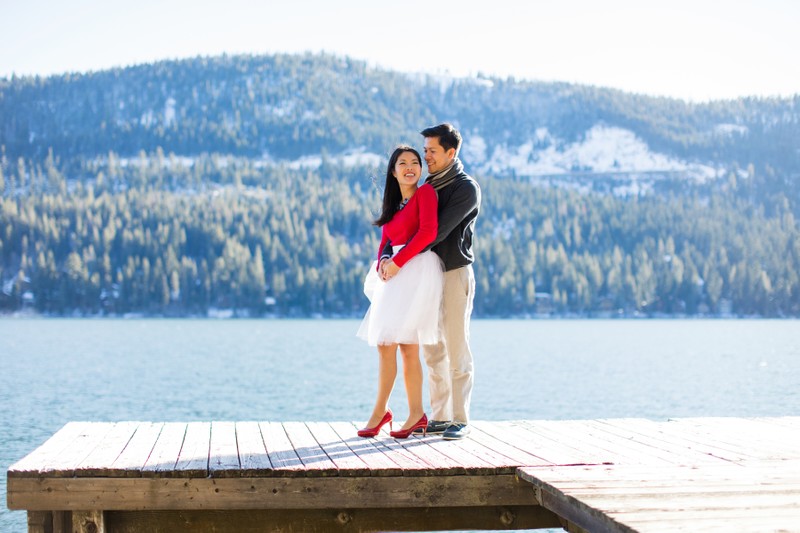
(381, 272)
(388, 269)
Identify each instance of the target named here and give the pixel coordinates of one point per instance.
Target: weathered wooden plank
(224, 453)
(494, 442)
(378, 463)
(734, 449)
(313, 457)
(328, 520)
(643, 447)
(777, 438)
(284, 459)
(659, 435)
(762, 425)
(149, 493)
(420, 448)
(31, 464)
(475, 459)
(596, 497)
(740, 450)
(252, 451)
(194, 455)
(783, 518)
(527, 437)
(716, 503)
(594, 445)
(346, 462)
(773, 520)
(166, 451)
(90, 437)
(621, 489)
(759, 440)
(774, 473)
(596, 476)
(132, 459)
(784, 421)
(99, 462)
(410, 464)
(587, 446)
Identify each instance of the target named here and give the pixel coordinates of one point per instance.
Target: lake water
(56, 370)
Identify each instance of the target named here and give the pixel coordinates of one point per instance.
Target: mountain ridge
(289, 106)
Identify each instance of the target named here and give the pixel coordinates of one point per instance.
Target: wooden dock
(705, 474)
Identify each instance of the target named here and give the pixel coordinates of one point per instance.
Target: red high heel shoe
(404, 433)
(371, 432)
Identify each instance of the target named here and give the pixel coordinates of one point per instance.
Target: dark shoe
(437, 426)
(456, 432)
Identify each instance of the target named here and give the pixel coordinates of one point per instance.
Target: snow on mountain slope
(603, 150)
(350, 158)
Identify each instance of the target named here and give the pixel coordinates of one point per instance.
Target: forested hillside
(158, 238)
(223, 183)
(286, 106)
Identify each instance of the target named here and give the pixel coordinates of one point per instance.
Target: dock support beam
(40, 522)
(88, 522)
(332, 520)
(50, 522)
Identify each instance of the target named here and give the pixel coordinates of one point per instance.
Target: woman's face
(408, 169)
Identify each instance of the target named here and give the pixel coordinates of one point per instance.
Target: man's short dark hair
(447, 134)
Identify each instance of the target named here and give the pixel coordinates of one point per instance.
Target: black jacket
(459, 204)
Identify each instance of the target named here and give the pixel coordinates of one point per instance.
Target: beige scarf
(444, 177)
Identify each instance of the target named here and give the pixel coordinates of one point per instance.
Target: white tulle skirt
(405, 309)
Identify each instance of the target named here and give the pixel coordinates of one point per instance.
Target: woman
(405, 294)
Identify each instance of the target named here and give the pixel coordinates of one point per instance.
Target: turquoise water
(56, 370)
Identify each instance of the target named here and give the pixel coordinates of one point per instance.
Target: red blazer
(415, 225)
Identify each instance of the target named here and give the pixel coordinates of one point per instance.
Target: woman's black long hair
(391, 189)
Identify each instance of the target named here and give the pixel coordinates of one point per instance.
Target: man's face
(436, 156)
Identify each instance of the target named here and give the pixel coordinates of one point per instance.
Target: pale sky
(692, 49)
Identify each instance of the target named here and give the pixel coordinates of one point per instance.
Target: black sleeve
(386, 252)
(463, 201)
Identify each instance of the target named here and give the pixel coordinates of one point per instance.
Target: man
(450, 368)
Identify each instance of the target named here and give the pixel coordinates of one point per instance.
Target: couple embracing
(422, 286)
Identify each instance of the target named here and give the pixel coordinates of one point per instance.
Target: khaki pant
(450, 361)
